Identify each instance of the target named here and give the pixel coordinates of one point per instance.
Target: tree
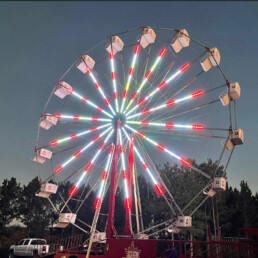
(183, 184)
(10, 192)
(233, 208)
(246, 203)
(35, 212)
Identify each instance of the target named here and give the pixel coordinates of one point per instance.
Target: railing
(211, 249)
(71, 244)
(182, 248)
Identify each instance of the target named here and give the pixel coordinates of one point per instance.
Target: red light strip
(85, 100)
(167, 125)
(148, 75)
(131, 71)
(158, 88)
(113, 76)
(91, 163)
(104, 177)
(159, 146)
(168, 104)
(86, 118)
(124, 172)
(74, 136)
(98, 86)
(78, 153)
(145, 165)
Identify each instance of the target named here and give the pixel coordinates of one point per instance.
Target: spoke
(187, 84)
(74, 136)
(168, 201)
(113, 76)
(148, 75)
(191, 110)
(196, 196)
(91, 103)
(229, 158)
(145, 166)
(199, 206)
(160, 87)
(184, 134)
(90, 164)
(168, 104)
(131, 72)
(196, 108)
(124, 173)
(86, 100)
(158, 225)
(99, 198)
(163, 148)
(85, 118)
(98, 86)
(78, 153)
(104, 177)
(167, 125)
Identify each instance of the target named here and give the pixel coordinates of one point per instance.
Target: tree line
(229, 210)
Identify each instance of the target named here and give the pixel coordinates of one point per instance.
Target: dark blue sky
(40, 40)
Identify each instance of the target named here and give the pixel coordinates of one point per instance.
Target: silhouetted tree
(10, 192)
(233, 208)
(35, 212)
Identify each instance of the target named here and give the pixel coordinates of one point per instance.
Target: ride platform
(153, 248)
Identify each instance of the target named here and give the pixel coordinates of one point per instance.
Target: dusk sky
(40, 40)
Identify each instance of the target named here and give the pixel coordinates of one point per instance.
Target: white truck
(30, 247)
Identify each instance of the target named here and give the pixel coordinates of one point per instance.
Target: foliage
(34, 212)
(10, 191)
(229, 210)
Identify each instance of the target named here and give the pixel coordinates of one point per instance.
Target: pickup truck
(30, 247)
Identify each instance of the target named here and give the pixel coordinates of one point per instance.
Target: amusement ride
(140, 97)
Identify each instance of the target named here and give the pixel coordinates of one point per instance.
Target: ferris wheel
(137, 98)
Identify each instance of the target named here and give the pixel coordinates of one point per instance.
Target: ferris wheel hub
(119, 120)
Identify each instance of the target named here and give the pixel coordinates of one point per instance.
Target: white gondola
(233, 92)
(219, 184)
(229, 145)
(237, 138)
(184, 221)
(47, 121)
(210, 191)
(212, 58)
(140, 236)
(46, 190)
(42, 155)
(65, 219)
(173, 229)
(224, 98)
(182, 40)
(116, 45)
(63, 89)
(86, 61)
(100, 237)
(148, 37)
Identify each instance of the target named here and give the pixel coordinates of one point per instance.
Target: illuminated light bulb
(158, 188)
(58, 169)
(97, 203)
(73, 191)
